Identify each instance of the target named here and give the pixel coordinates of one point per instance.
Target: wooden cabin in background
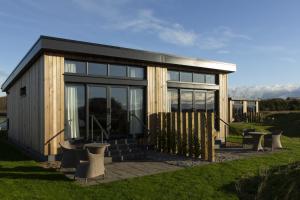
(239, 108)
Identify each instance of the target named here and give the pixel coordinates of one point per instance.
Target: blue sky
(260, 36)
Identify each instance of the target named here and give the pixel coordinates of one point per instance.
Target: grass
(22, 178)
(281, 182)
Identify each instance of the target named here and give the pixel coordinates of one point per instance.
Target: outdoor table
(96, 148)
(257, 140)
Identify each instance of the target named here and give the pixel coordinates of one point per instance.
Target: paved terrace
(155, 163)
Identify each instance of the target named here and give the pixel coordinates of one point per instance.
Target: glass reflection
(118, 111)
(186, 101)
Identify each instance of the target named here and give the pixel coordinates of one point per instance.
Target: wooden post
(211, 136)
(204, 154)
(185, 132)
(159, 131)
(191, 134)
(169, 133)
(179, 133)
(174, 132)
(196, 134)
(164, 132)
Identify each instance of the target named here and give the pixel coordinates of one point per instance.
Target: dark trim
(59, 45)
(198, 86)
(75, 78)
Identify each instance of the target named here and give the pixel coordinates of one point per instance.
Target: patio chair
(273, 140)
(93, 167)
(70, 155)
(247, 138)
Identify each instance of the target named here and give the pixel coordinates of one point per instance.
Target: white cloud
(265, 92)
(168, 32)
(144, 20)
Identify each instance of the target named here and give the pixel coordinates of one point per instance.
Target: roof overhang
(45, 43)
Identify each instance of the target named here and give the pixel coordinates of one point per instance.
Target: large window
(191, 100)
(104, 69)
(120, 110)
(183, 76)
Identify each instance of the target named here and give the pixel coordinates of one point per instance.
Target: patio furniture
(247, 138)
(257, 140)
(96, 148)
(93, 167)
(273, 140)
(70, 155)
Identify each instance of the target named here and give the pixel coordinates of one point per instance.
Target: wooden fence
(250, 117)
(186, 133)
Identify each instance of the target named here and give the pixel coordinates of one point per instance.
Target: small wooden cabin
(62, 88)
(241, 107)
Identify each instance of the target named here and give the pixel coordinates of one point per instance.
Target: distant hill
(265, 92)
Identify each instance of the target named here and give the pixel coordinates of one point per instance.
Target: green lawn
(22, 178)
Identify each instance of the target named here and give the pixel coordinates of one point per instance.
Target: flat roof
(54, 44)
(231, 99)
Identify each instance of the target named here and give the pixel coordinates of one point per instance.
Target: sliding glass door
(97, 98)
(75, 111)
(118, 109)
(119, 112)
(136, 110)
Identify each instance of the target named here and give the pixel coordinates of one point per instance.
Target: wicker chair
(93, 167)
(247, 138)
(70, 155)
(273, 140)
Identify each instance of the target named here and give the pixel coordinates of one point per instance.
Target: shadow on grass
(25, 169)
(10, 153)
(33, 176)
(15, 165)
(31, 172)
(281, 182)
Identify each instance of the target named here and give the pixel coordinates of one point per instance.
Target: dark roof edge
(239, 99)
(74, 46)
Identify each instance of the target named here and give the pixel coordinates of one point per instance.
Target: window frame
(107, 76)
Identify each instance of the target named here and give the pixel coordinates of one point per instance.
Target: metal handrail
(103, 131)
(219, 118)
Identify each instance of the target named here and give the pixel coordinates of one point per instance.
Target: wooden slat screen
(185, 133)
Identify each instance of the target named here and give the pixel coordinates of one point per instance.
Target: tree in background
(280, 104)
